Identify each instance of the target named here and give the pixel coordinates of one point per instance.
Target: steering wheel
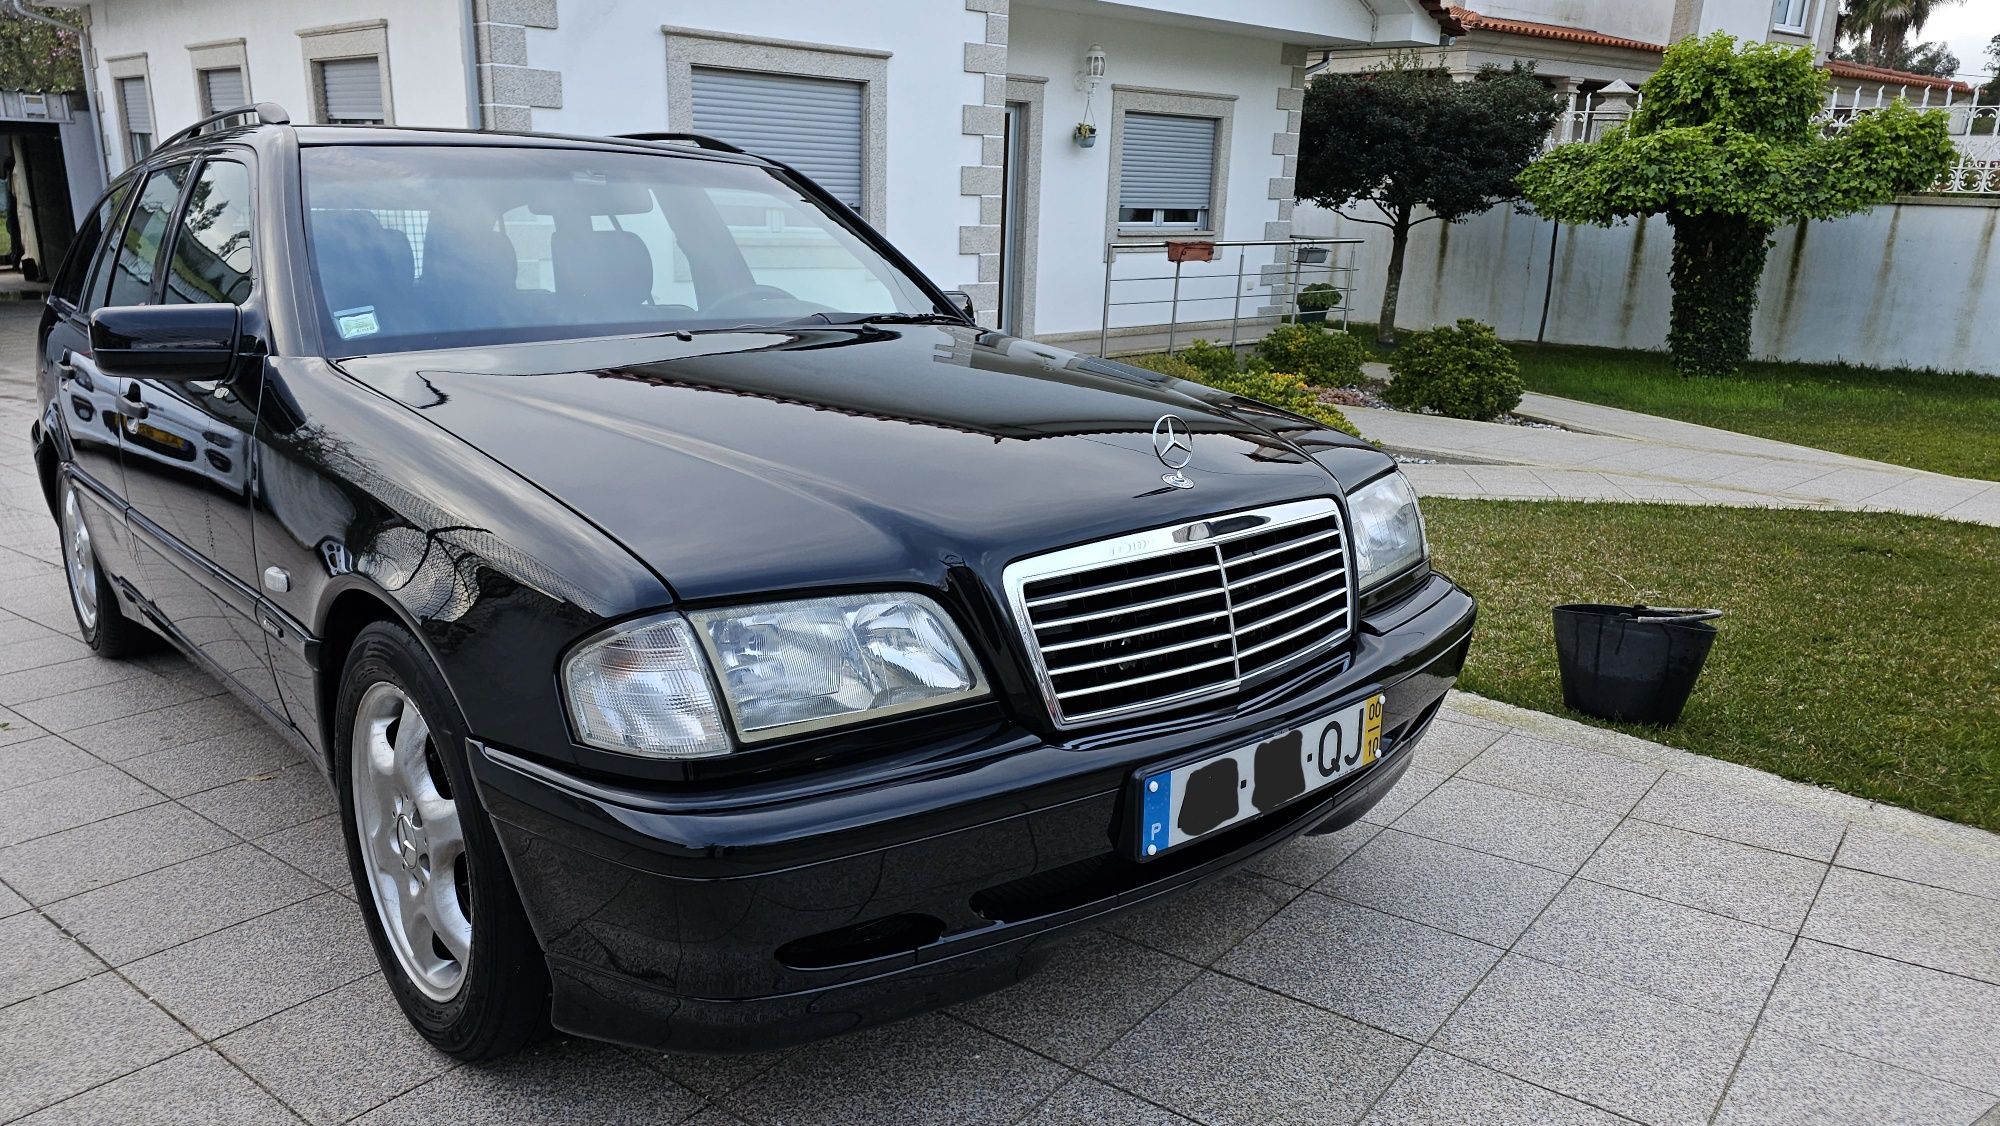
(746, 295)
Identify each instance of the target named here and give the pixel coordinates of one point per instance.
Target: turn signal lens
(643, 689)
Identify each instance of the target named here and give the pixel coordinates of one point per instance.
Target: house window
(812, 124)
(1166, 171)
(1791, 15)
(136, 109)
(350, 91)
(221, 89)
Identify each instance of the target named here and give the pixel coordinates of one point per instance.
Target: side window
(68, 287)
(131, 281)
(211, 258)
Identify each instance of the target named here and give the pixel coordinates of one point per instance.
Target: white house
(950, 124)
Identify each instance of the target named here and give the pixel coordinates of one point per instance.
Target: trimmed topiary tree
(1463, 371)
(1417, 145)
(1725, 145)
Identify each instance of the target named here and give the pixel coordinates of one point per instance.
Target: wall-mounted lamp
(1088, 80)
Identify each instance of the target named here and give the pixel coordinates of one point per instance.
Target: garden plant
(1462, 371)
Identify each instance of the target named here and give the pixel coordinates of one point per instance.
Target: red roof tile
(1863, 72)
(1473, 21)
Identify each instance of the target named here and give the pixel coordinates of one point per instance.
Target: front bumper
(691, 923)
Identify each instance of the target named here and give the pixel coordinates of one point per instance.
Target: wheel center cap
(408, 841)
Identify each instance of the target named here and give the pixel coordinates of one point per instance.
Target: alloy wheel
(412, 843)
(80, 560)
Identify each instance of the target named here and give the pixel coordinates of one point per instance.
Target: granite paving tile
(1560, 771)
(380, 1055)
(1411, 788)
(1945, 930)
(1084, 1099)
(36, 956)
(1440, 1089)
(1304, 861)
(1524, 827)
(1227, 1053)
(1201, 924)
(70, 1040)
(196, 1086)
(264, 803)
(130, 736)
(1918, 1019)
(37, 760)
(64, 802)
(568, 1082)
(1738, 814)
(1474, 894)
(926, 1069)
(1391, 973)
(168, 906)
(1609, 1045)
(208, 763)
(1756, 885)
(1921, 861)
(1788, 1082)
(1093, 990)
(103, 852)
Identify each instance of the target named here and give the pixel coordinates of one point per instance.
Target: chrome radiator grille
(1183, 612)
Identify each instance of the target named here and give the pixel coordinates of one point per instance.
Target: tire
(433, 884)
(92, 598)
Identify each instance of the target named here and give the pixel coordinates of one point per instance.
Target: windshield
(444, 246)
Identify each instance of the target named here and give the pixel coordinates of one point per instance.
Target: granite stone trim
(346, 41)
(688, 48)
(983, 182)
(220, 54)
(129, 66)
(510, 91)
(1283, 187)
(1143, 99)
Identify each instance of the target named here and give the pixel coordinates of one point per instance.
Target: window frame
(108, 263)
(689, 48)
(241, 159)
(120, 69)
(1803, 27)
(357, 40)
(1134, 99)
(219, 54)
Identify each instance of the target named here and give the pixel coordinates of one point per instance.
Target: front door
(85, 401)
(188, 469)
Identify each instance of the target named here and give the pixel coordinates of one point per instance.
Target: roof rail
(265, 113)
(695, 139)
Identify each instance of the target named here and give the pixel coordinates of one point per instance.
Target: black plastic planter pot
(1631, 664)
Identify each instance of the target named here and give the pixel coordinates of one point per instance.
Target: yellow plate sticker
(1371, 730)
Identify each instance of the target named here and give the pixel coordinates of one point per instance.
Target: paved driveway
(1545, 923)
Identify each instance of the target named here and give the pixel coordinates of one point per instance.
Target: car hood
(763, 461)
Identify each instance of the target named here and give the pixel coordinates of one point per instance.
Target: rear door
(187, 454)
(82, 402)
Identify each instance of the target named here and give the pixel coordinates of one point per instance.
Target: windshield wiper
(895, 319)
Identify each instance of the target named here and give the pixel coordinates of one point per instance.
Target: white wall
(1914, 284)
(1075, 181)
(426, 54)
(614, 80)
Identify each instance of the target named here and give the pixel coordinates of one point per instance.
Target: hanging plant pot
(1085, 135)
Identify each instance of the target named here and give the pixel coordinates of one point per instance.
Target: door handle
(68, 372)
(135, 407)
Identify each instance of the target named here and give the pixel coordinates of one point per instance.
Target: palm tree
(1886, 25)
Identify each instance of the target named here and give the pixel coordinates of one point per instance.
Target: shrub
(1255, 380)
(1319, 295)
(1462, 371)
(1165, 365)
(1320, 357)
(1209, 359)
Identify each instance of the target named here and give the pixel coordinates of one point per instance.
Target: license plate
(161, 437)
(1188, 802)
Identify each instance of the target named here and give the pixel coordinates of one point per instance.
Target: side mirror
(962, 301)
(175, 342)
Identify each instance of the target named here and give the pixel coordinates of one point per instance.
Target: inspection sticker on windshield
(1197, 798)
(356, 322)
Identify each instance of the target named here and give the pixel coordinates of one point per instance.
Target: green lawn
(1926, 420)
(1860, 650)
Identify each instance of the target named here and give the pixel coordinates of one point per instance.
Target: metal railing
(1972, 120)
(1267, 274)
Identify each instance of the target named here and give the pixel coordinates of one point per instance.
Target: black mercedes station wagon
(715, 638)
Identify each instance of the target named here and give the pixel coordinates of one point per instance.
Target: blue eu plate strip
(1159, 810)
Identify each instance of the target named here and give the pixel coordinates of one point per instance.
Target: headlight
(1388, 529)
(645, 687)
(795, 666)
